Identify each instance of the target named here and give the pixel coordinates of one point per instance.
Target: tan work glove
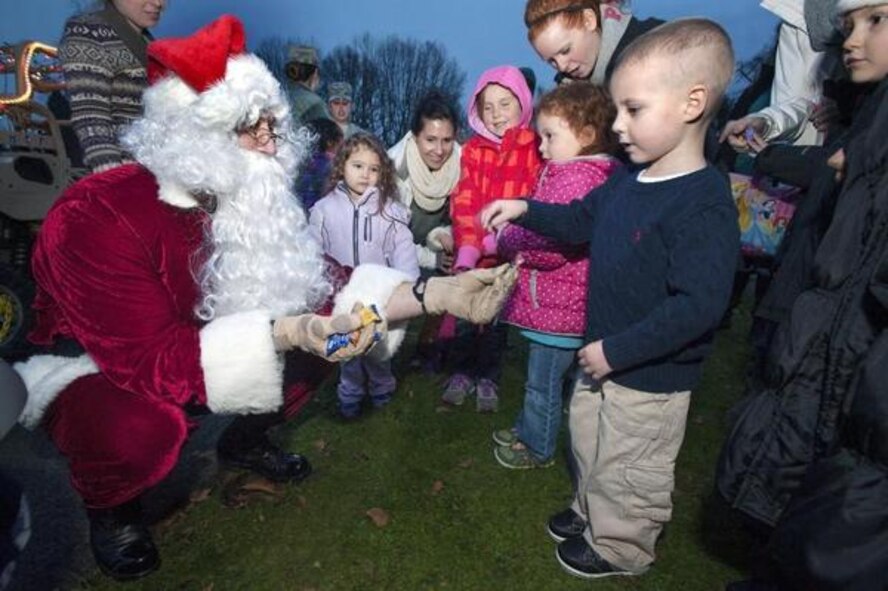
(475, 295)
(311, 332)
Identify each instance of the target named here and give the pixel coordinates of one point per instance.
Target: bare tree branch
(388, 77)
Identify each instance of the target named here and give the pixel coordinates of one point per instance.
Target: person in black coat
(808, 455)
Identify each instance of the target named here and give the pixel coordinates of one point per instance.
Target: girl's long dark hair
(387, 185)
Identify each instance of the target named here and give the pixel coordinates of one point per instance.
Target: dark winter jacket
(821, 350)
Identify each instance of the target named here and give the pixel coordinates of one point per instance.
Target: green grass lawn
(457, 520)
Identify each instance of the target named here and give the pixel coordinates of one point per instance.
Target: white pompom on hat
(846, 6)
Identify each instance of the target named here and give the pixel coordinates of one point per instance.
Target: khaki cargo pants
(625, 443)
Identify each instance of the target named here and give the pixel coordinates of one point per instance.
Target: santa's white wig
(180, 128)
(259, 253)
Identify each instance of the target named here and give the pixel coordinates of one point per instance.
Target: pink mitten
(488, 245)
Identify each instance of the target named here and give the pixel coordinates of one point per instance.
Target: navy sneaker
(564, 525)
(578, 558)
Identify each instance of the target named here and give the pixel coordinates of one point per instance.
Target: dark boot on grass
(245, 444)
(120, 542)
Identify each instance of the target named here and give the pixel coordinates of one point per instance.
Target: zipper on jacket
(533, 290)
(355, 250)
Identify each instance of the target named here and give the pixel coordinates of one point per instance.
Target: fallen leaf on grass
(437, 486)
(467, 463)
(442, 408)
(246, 488)
(200, 495)
(263, 485)
(319, 444)
(302, 501)
(380, 517)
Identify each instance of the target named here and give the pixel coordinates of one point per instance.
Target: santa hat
(210, 74)
(203, 88)
(846, 6)
(201, 59)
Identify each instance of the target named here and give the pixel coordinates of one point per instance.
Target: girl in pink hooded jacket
(548, 303)
(500, 162)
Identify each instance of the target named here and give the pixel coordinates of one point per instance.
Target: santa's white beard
(261, 252)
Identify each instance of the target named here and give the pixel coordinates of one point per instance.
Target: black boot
(121, 543)
(244, 444)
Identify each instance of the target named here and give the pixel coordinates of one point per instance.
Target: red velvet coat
(141, 331)
(114, 267)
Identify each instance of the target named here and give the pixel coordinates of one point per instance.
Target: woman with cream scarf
(427, 164)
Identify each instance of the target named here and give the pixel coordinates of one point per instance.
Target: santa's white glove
(312, 333)
(475, 295)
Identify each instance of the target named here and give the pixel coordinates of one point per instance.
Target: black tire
(16, 295)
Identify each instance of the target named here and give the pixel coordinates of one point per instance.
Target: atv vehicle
(35, 167)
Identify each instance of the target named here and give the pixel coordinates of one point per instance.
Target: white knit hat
(846, 6)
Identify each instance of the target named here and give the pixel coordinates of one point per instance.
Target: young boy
(663, 241)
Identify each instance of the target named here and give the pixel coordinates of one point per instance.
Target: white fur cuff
(170, 192)
(45, 376)
(374, 284)
(242, 371)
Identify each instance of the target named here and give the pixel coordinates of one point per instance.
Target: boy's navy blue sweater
(662, 260)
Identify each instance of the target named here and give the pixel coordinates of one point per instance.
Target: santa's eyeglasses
(262, 136)
(262, 132)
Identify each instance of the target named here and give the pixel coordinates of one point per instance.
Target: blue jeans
(539, 421)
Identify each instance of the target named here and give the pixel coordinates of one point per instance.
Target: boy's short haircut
(584, 105)
(700, 49)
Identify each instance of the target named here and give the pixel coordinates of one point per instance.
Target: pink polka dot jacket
(550, 295)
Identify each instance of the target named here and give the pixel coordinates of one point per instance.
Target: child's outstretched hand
(501, 211)
(740, 133)
(592, 360)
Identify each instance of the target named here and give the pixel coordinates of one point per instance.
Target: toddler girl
(360, 221)
(500, 162)
(548, 304)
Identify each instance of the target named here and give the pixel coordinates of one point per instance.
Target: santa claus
(180, 281)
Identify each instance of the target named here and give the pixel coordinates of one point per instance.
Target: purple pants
(364, 375)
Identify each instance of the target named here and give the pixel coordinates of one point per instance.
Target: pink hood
(509, 77)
